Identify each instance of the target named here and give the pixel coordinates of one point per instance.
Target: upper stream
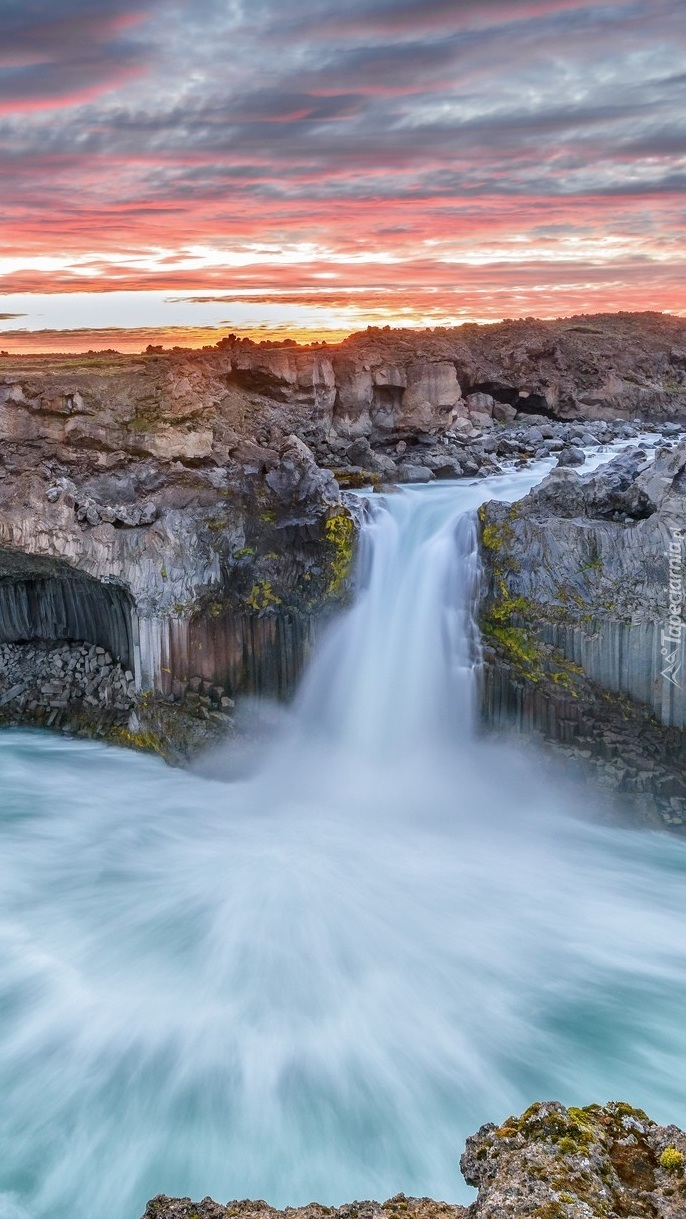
(315, 980)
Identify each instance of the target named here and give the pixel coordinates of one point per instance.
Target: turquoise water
(316, 981)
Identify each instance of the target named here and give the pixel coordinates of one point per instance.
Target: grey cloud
(49, 51)
(583, 87)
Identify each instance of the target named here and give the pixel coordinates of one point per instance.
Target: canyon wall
(183, 510)
(583, 619)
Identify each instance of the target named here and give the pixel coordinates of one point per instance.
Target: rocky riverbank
(187, 513)
(82, 691)
(600, 1162)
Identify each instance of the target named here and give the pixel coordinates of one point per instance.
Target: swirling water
(315, 980)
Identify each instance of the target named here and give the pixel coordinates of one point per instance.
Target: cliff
(379, 385)
(193, 582)
(600, 1162)
(182, 511)
(582, 618)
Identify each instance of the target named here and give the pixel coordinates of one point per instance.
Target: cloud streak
(60, 52)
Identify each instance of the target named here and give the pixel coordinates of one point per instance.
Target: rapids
(314, 981)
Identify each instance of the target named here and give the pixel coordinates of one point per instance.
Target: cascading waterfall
(397, 671)
(314, 982)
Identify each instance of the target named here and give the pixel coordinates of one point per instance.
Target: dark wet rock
(444, 466)
(360, 453)
(504, 413)
(80, 689)
(571, 456)
(534, 436)
(410, 472)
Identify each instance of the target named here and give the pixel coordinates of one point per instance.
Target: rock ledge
(600, 1162)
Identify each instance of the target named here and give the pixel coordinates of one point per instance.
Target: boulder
(483, 404)
(571, 456)
(410, 473)
(443, 465)
(553, 1161)
(504, 413)
(481, 421)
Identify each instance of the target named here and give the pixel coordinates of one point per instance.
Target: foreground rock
(583, 621)
(609, 1162)
(557, 1163)
(399, 1207)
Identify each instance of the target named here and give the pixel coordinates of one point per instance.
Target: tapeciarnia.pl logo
(671, 648)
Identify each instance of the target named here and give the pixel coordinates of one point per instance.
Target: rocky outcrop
(188, 575)
(398, 1207)
(600, 1162)
(382, 382)
(557, 1163)
(583, 618)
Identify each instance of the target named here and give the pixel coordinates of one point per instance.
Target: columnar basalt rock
(582, 616)
(216, 575)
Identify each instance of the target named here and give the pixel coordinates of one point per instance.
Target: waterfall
(317, 980)
(397, 672)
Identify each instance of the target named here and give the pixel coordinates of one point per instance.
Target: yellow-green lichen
(339, 531)
(262, 596)
(672, 1160)
(495, 536)
(143, 740)
(354, 481)
(146, 421)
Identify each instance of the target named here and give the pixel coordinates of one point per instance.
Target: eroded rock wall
(579, 590)
(213, 576)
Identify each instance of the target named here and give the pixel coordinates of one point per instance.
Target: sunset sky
(310, 167)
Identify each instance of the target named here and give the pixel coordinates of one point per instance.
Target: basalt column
(42, 600)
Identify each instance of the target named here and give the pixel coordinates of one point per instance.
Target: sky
(174, 169)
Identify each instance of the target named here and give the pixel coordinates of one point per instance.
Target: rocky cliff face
(183, 510)
(380, 385)
(601, 1162)
(201, 570)
(582, 616)
(392, 384)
